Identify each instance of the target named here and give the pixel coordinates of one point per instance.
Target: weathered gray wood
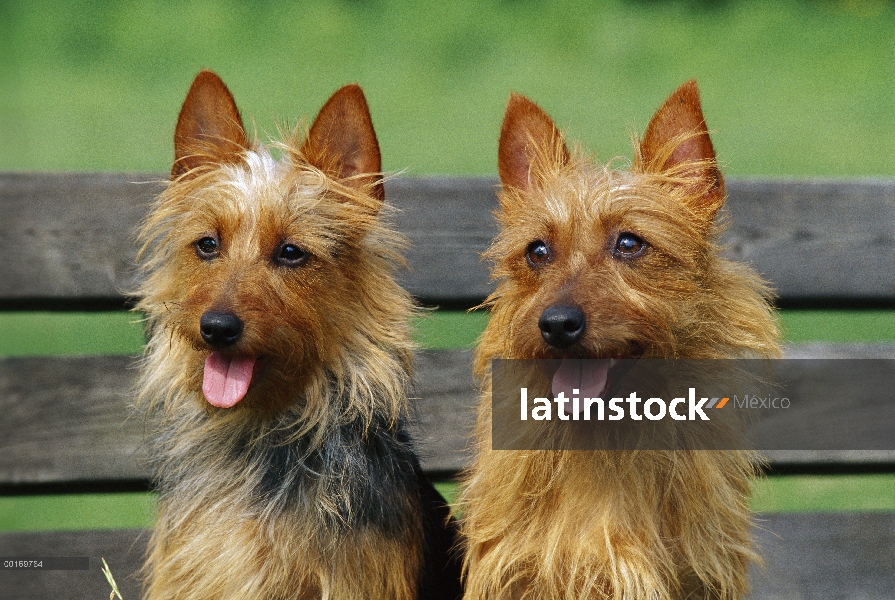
(812, 239)
(817, 238)
(836, 405)
(443, 408)
(70, 236)
(830, 556)
(830, 458)
(839, 350)
(69, 419)
(449, 223)
(825, 555)
(123, 550)
(820, 461)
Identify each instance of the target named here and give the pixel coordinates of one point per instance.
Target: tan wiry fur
(244, 511)
(613, 524)
(339, 226)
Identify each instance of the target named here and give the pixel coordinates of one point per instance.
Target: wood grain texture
(123, 550)
(825, 555)
(836, 405)
(444, 402)
(69, 237)
(831, 460)
(68, 419)
(449, 223)
(815, 239)
(847, 555)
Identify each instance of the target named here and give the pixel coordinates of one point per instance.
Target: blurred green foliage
(778, 494)
(790, 87)
(446, 329)
(801, 493)
(55, 333)
(838, 325)
(824, 493)
(76, 511)
(118, 332)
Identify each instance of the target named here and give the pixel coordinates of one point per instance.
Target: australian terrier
(278, 367)
(597, 263)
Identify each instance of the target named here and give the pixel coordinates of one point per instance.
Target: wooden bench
(67, 244)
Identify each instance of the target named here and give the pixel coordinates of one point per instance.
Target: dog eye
(290, 255)
(206, 248)
(538, 253)
(629, 245)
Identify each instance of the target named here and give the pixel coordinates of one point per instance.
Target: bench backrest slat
(68, 238)
(69, 420)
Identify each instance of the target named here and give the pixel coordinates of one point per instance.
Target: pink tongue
(226, 379)
(586, 376)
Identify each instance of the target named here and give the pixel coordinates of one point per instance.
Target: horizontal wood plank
(449, 223)
(69, 237)
(444, 400)
(68, 420)
(847, 555)
(825, 555)
(123, 549)
(816, 239)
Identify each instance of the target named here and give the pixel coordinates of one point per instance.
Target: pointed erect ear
(528, 136)
(342, 142)
(209, 128)
(677, 135)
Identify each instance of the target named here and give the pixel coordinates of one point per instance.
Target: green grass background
(119, 332)
(789, 88)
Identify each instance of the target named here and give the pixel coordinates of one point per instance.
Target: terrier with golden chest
(601, 264)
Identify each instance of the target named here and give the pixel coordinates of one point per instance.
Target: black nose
(220, 330)
(561, 326)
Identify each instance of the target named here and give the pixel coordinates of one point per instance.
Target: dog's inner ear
(529, 143)
(342, 142)
(209, 128)
(677, 136)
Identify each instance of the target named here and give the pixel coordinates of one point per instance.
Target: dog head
(606, 264)
(268, 266)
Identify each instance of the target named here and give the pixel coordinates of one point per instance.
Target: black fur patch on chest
(360, 476)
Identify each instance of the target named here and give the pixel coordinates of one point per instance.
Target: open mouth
(226, 378)
(591, 377)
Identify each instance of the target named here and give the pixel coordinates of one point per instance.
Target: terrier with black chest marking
(278, 367)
